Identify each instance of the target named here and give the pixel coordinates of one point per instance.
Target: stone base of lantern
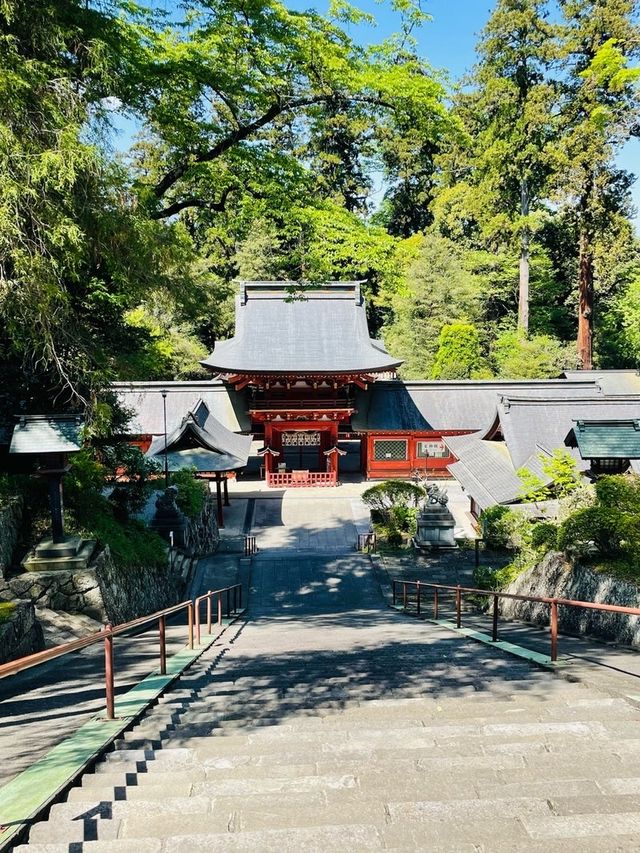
(71, 555)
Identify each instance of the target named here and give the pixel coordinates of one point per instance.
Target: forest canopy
(503, 244)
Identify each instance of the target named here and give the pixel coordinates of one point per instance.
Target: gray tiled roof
(612, 382)
(144, 399)
(528, 423)
(464, 404)
(324, 331)
(484, 469)
(47, 434)
(214, 441)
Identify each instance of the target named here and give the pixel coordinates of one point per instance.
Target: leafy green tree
(561, 468)
(512, 125)
(459, 355)
(437, 288)
(517, 356)
(598, 111)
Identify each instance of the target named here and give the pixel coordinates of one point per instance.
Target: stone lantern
(49, 440)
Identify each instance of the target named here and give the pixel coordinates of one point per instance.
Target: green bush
(383, 497)
(603, 528)
(544, 535)
(405, 518)
(504, 528)
(191, 492)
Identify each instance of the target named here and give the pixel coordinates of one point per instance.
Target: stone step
(354, 836)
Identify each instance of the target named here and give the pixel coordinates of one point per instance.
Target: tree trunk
(585, 310)
(523, 288)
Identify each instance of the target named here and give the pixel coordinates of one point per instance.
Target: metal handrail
(236, 590)
(107, 634)
(459, 591)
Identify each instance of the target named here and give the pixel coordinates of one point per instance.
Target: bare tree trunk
(523, 288)
(585, 310)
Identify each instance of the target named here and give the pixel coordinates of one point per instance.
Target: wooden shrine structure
(301, 361)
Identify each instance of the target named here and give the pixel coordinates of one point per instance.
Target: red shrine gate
(301, 452)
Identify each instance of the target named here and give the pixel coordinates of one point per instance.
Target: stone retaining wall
(555, 578)
(21, 634)
(72, 592)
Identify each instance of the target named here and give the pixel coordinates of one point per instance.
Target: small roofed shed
(50, 439)
(610, 446)
(204, 425)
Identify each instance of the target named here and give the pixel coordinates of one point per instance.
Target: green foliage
(459, 355)
(532, 488)
(562, 470)
(493, 522)
(503, 528)
(544, 535)
(192, 492)
(7, 609)
(611, 526)
(517, 356)
(391, 494)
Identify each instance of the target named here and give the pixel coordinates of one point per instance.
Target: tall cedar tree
(599, 112)
(513, 110)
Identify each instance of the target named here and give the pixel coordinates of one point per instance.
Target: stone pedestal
(435, 527)
(73, 554)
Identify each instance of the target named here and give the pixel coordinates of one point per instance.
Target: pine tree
(599, 107)
(513, 108)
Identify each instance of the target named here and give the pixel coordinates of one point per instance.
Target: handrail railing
(107, 634)
(235, 590)
(459, 591)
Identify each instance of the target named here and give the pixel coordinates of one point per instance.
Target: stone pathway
(322, 523)
(327, 721)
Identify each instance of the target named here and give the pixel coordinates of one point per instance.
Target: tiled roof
(607, 439)
(47, 434)
(612, 382)
(144, 400)
(529, 423)
(321, 332)
(457, 404)
(202, 441)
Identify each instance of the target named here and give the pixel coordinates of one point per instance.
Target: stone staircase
(361, 730)
(242, 756)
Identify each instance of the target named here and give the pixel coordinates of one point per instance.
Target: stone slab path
(322, 523)
(327, 721)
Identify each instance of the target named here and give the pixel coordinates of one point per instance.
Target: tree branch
(192, 201)
(244, 132)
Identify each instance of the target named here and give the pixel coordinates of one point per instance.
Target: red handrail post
(190, 621)
(418, 597)
(228, 602)
(162, 625)
(435, 603)
(240, 596)
(235, 599)
(458, 607)
(219, 608)
(108, 671)
(196, 608)
(494, 633)
(554, 630)
(209, 612)
(404, 594)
